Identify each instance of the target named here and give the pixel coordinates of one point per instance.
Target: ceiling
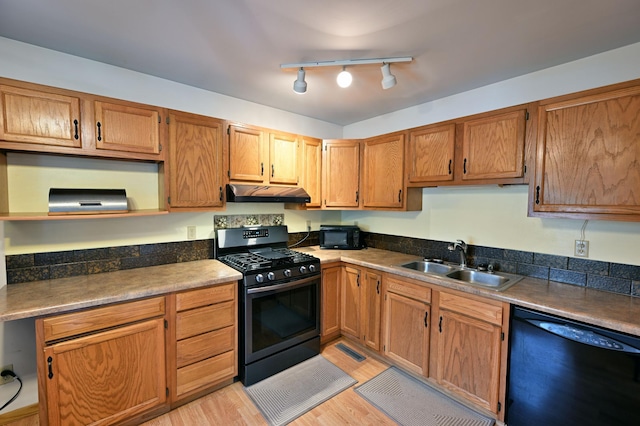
(235, 47)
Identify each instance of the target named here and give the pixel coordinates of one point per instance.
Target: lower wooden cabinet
(204, 339)
(470, 359)
(330, 302)
(361, 305)
(103, 365)
(407, 321)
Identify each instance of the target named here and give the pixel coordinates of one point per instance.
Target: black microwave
(344, 237)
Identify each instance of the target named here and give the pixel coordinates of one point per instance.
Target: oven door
(280, 316)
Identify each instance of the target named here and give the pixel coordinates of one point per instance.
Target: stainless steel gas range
(279, 300)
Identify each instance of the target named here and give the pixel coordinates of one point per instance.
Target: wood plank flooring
(232, 406)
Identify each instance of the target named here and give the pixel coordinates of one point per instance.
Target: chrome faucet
(459, 244)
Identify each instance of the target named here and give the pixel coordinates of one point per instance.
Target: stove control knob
(303, 269)
(271, 276)
(312, 268)
(259, 278)
(287, 272)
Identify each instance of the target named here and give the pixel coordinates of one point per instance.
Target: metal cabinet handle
(261, 169)
(220, 193)
(273, 170)
(50, 366)
(400, 196)
(378, 287)
(75, 123)
(464, 166)
(538, 194)
(357, 196)
(426, 315)
(358, 280)
(450, 160)
(99, 131)
(440, 324)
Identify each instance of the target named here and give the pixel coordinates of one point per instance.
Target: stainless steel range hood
(266, 194)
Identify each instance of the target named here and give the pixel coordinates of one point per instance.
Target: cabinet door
(195, 161)
(32, 116)
(106, 377)
(588, 156)
(330, 320)
(430, 154)
(350, 302)
(371, 307)
(382, 171)
(311, 170)
(469, 349)
(493, 147)
(125, 127)
(341, 173)
(406, 332)
(283, 154)
(247, 156)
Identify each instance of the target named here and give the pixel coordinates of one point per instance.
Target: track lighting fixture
(344, 78)
(388, 79)
(300, 86)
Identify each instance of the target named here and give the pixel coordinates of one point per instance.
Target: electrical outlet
(6, 379)
(308, 225)
(191, 232)
(581, 248)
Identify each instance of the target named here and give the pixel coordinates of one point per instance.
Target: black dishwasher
(563, 372)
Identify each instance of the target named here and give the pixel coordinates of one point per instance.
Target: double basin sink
(497, 281)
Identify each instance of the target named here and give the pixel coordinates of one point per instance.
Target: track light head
(344, 78)
(300, 86)
(388, 79)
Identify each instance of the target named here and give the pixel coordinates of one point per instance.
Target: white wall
(493, 216)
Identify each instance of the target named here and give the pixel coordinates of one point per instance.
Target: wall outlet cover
(581, 248)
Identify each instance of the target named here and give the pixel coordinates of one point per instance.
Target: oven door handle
(290, 284)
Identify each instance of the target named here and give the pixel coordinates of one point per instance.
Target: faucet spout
(459, 244)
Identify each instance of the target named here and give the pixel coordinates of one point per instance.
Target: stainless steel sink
(497, 281)
(429, 267)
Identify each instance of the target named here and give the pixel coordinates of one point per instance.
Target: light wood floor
(232, 406)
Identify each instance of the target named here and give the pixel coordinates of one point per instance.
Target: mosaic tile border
(240, 220)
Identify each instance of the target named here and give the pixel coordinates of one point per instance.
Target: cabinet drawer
(484, 311)
(206, 296)
(206, 373)
(67, 325)
(408, 289)
(205, 346)
(202, 320)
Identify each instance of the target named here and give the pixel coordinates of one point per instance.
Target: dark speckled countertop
(600, 308)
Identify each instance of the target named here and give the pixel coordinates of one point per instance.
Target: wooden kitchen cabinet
(470, 359)
(383, 175)
(361, 306)
(341, 174)
(204, 338)
(39, 117)
(262, 156)
(406, 323)
(124, 126)
(430, 154)
(330, 304)
(103, 365)
(196, 162)
(311, 169)
(588, 155)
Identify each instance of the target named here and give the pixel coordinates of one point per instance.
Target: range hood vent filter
(266, 194)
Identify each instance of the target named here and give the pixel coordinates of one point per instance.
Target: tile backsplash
(608, 276)
(239, 220)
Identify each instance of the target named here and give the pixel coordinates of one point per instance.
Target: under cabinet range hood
(266, 194)
(87, 201)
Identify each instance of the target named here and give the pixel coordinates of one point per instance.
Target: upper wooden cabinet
(382, 171)
(311, 169)
(341, 173)
(125, 127)
(588, 155)
(39, 117)
(488, 148)
(262, 156)
(430, 154)
(196, 161)
(49, 120)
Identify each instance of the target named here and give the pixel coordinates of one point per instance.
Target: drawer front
(67, 325)
(407, 289)
(202, 320)
(484, 311)
(205, 296)
(205, 345)
(206, 373)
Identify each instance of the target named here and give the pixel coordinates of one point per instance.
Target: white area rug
(289, 394)
(411, 402)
